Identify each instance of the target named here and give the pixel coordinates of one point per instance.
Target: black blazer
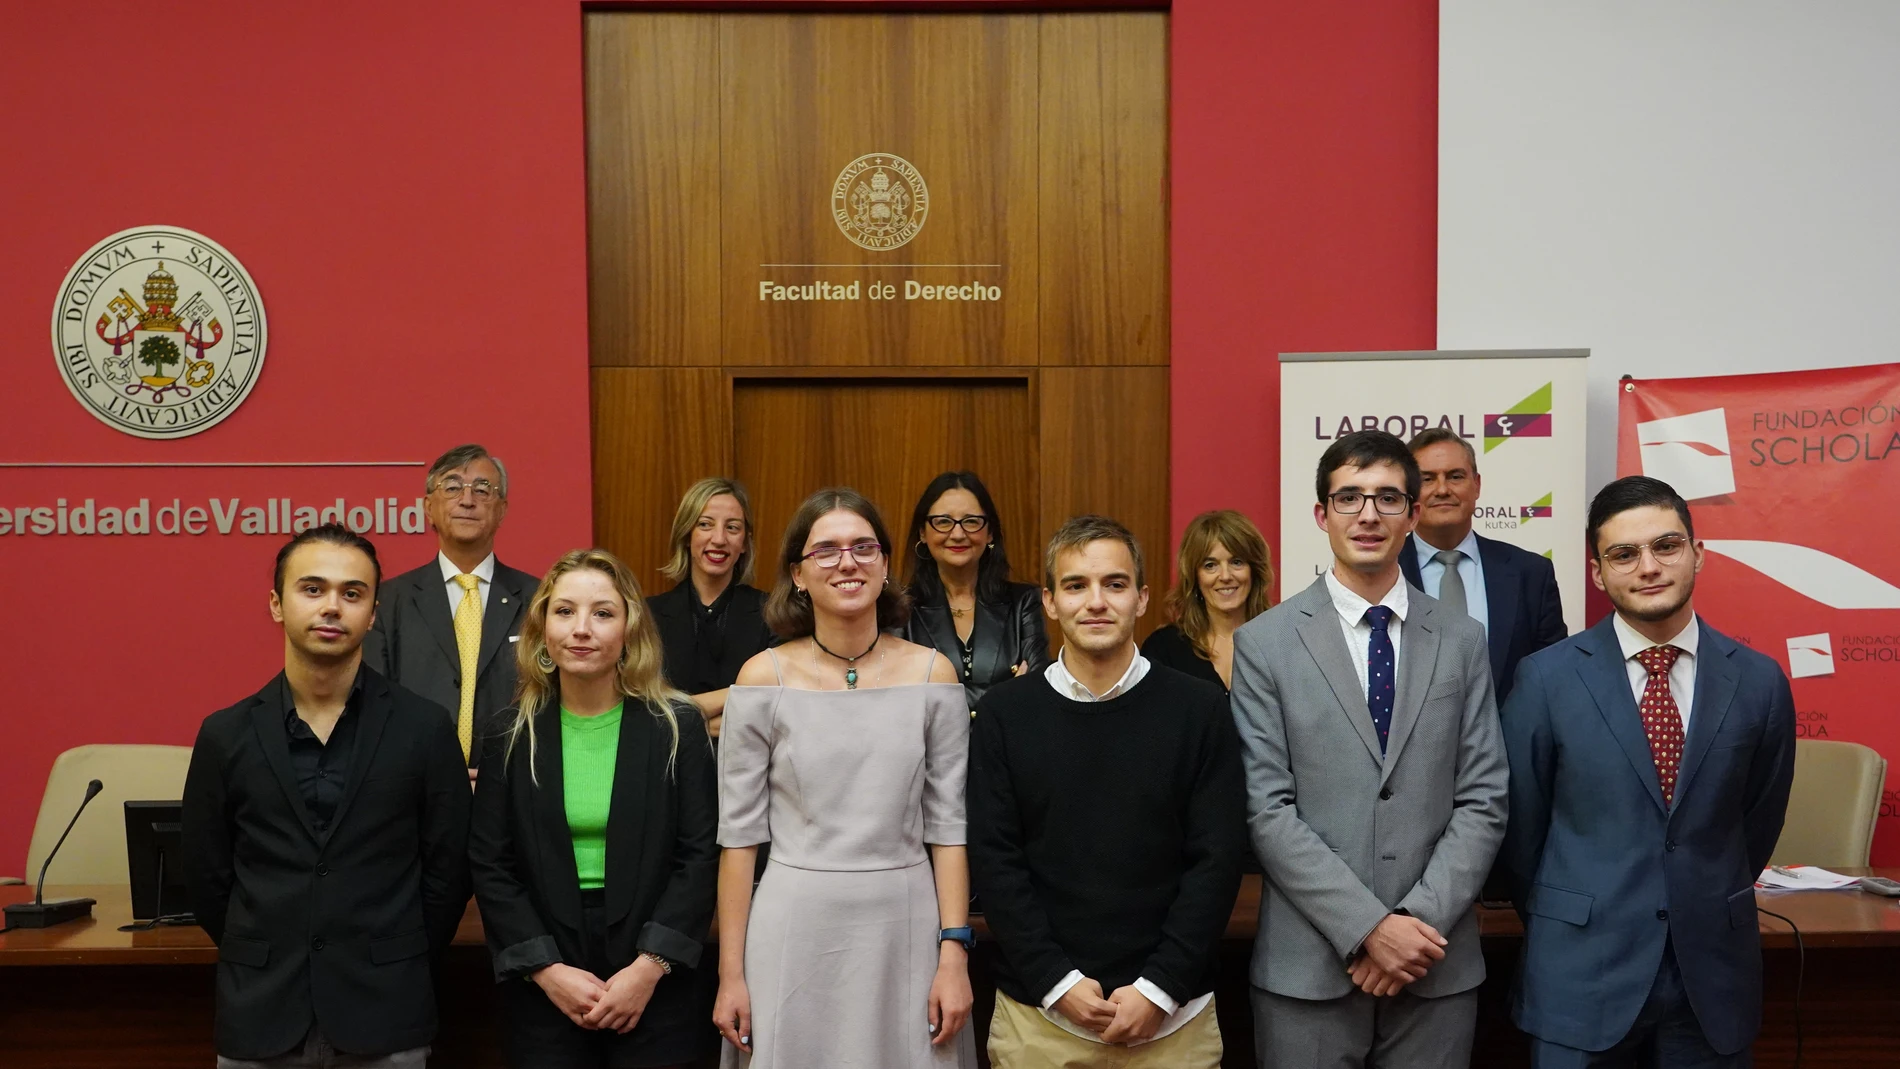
(1520, 591)
(662, 857)
(1006, 634)
(746, 633)
(413, 642)
(1168, 646)
(338, 929)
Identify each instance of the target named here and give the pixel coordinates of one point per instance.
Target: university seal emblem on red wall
(159, 332)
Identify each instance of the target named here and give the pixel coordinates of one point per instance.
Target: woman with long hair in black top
(713, 620)
(964, 604)
(1225, 580)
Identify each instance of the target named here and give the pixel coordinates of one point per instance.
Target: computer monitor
(155, 858)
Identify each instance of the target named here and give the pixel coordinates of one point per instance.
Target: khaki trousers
(1022, 1038)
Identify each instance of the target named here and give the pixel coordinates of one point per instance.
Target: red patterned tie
(1662, 721)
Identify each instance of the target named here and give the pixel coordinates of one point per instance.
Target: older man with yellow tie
(447, 630)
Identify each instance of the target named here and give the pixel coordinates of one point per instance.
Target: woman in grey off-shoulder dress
(845, 748)
(841, 946)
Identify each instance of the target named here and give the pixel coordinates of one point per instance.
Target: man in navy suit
(1651, 758)
(1510, 591)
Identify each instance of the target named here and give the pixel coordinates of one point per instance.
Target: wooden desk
(87, 994)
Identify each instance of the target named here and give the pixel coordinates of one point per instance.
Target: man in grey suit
(446, 630)
(1376, 790)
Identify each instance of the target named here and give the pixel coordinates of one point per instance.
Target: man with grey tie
(446, 630)
(1376, 784)
(1511, 592)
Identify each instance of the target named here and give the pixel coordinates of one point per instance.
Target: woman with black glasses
(845, 748)
(964, 604)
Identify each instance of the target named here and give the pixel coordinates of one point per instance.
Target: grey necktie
(1451, 589)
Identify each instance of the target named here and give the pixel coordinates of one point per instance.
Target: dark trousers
(676, 1028)
(1666, 1035)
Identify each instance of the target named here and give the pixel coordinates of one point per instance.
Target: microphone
(40, 913)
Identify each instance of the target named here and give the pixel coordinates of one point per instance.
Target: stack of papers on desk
(1802, 878)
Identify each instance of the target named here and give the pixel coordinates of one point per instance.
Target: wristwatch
(964, 935)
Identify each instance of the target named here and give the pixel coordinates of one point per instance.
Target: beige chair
(1831, 812)
(95, 851)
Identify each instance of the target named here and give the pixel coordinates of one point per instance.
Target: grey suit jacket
(413, 642)
(1344, 835)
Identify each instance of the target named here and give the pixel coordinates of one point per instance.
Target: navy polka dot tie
(1662, 721)
(1381, 671)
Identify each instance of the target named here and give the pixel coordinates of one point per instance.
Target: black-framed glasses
(482, 489)
(943, 524)
(1385, 502)
(829, 556)
(1624, 557)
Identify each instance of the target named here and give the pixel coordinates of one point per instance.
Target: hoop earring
(543, 661)
(923, 551)
(800, 593)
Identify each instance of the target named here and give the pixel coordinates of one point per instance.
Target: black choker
(850, 663)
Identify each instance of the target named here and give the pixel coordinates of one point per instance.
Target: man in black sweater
(1106, 811)
(326, 836)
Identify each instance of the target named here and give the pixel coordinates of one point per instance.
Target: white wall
(1685, 187)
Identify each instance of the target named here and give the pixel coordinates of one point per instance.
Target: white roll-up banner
(1521, 410)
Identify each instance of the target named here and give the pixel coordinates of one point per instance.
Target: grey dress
(841, 943)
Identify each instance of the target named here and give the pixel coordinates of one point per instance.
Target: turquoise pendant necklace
(850, 663)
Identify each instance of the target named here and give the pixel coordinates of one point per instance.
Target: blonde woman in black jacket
(592, 845)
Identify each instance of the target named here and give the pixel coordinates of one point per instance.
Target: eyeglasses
(482, 487)
(1387, 502)
(829, 556)
(1624, 557)
(944, 524)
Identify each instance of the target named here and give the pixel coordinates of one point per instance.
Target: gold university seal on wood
(879, 201)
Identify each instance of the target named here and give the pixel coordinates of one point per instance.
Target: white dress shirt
(1431, 575)
(1681, 674)
(1058, 676)
(1070, 687)
(485, 572)
(1352, 620)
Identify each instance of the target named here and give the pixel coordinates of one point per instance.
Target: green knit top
(589, 745)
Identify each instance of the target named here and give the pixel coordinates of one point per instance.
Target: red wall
(1305, 218)
(405, 182)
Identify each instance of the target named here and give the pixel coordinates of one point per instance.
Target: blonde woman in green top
(593, 839)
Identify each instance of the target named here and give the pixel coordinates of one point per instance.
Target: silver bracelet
(666, 967)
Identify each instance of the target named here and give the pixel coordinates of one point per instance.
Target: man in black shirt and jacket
(326, 836)
(1106, 812)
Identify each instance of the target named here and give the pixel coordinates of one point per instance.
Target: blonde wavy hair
(680, 564)
(1244, 543)
(641, 679)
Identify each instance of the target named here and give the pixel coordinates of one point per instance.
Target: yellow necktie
(468, 643)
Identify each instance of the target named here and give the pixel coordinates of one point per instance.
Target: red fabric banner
(1793, 480)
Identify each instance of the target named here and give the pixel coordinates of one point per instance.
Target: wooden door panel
(715, 141)
(888, 439)
(656, 432)
(653, 181)
(804, 96)
(1104, 188)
